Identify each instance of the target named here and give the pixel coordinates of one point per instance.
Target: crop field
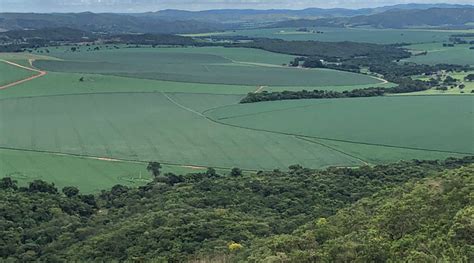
(89, 175)
(9, 73)
(367, 35)
(398, 121)
(192, 66)
(154, 127)
(96, 121)
(437, 54)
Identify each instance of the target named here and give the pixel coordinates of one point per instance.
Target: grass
(368, 35)
(423, 122)
(437, 54)
(10, 74)
(210, 66)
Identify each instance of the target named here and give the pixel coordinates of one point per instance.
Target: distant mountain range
(395, 18)
(274, 15)
(180, 22)
(105, 22)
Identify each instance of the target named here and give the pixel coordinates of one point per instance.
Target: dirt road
(40, 73)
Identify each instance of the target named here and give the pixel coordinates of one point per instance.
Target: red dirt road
(40, 74)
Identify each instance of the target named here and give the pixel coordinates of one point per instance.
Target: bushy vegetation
(427, 220)
(241, 216)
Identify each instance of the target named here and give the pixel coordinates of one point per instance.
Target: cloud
(153, 5)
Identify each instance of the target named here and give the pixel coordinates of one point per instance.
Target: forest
(418, 210)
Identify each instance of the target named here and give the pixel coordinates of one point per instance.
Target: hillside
(251, 217)
(111, 23)
(274, 15)
(179, 21)
(429, 220)
(396, 18)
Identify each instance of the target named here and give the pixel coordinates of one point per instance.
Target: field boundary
(341, 140)
(102, 158)
(204, 115)
(40, 73)
(334, 149)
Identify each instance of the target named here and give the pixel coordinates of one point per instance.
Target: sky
(124, 6)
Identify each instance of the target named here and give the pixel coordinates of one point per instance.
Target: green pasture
(437, 54)
(367, 35)
(164, 127)
(191, 65)
(439, 123)
(10, 73)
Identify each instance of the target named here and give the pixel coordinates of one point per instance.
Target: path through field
(40, 73)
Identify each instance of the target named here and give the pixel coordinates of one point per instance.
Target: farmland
(437, 53)
(236, 135)
(180, 106)
(11, 73)
(195, 66)
(410, 117)
(333, 34)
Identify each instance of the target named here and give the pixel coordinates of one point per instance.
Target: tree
(8, 183)
(236, 172)
(154, 168)
(211, 172)
(469, 77)
(42, 186)
(70, 191)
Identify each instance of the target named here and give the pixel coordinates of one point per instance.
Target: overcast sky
(154, 5)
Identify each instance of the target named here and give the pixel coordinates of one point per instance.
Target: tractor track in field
(309, 139)
(41, 73)
(301, 136)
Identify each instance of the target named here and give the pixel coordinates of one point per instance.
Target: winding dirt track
(40, 73)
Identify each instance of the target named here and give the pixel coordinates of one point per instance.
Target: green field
(196, 65)
(154, 127)
(9, 73)
(58, 128)
(410, 122)
(368, 35)
(89, 175)
(437, 54)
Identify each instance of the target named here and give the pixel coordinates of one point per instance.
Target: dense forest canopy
(302, 215)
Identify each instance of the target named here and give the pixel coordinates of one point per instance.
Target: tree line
(329, 94)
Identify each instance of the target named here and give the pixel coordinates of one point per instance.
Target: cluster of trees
(329, 51)
(243, 216)
(411, 86)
